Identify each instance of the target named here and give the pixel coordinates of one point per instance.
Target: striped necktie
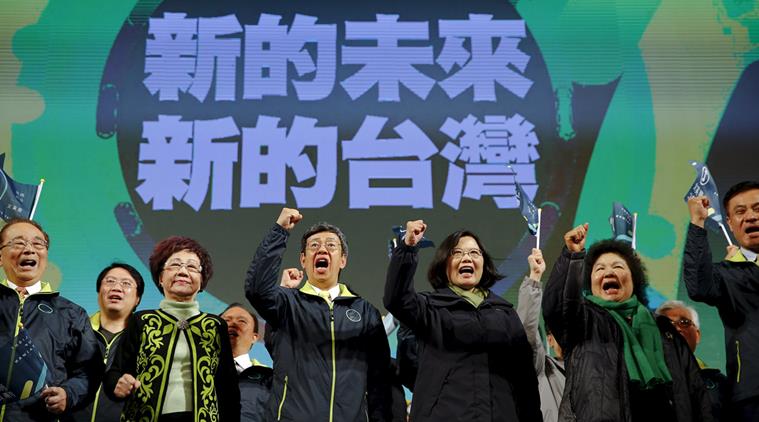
(22, 292)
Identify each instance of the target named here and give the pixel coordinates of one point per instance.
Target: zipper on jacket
(19, 316)
(334, 366)
(738, 355)
(282, 403)
(105, 361)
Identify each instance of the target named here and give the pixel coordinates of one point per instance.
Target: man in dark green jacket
(732, 287)
(119, 287)
(58, 328)
(331, 355)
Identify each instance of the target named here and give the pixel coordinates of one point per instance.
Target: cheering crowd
(466, 353)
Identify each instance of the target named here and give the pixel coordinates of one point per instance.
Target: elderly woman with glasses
(622, 363)
(475, 363)
(175, 363)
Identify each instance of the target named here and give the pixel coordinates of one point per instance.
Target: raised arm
(703, 284)
(562, 295)
(529, 305)
(400, 297)
(263, 278)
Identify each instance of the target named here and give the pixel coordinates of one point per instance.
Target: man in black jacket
(119, 287)
(732, 286)
(255, 378)
(59, 329)
(331, 355)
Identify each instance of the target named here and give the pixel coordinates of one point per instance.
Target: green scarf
(475, 296)
(644, 355)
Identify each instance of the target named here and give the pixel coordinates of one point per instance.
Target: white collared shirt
(333, 292)
(749, 255)
(30, 290)
(242, 363)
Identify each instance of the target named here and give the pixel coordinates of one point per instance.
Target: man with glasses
(685, 319)
(331, 355)
(119, 287)
(59, 330)
(731, 286)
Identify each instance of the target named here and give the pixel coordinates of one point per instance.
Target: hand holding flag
(703, 191)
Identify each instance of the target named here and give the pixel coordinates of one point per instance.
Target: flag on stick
(704, 185)
(22, 371)
(529, 211)
(622, 223)
(17, 200)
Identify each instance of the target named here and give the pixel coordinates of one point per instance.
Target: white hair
(674, 304)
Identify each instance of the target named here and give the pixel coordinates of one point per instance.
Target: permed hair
(171, 245)
(624, 250)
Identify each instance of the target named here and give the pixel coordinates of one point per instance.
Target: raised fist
(698, 207)
(537, 264)
(414, 232)
(575, 238)
(291, 278)
(288, 218)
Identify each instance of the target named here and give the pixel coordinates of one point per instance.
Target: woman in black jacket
(622, 364)
(475, 363)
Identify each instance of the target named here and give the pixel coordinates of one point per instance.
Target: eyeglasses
(192, 266)
(21, 244)
(124, 283)
(331, 245)
(682, 323)
(458, 253)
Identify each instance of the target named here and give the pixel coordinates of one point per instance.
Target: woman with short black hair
(475, 363)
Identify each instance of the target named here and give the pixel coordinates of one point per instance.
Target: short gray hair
(675, 304)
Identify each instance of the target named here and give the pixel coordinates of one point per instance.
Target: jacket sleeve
(407, 356)
(703, 284)
(562, 297)
(700, 401)
(400, 297)
(379, 394)
(525, 390)
(262, 279)
(227, 383)
(84, 362)
(528, 309)
(125, 359)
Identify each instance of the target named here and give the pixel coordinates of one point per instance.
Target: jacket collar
(309, 290)
(743, 255)
(95, 321)
(444, 296)
(45, 287)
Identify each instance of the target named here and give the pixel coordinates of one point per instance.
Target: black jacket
(331, 363)
(103, 408)
(475, 364)
(147, 353)
(597, 386)
(255, 388)
(732, 287)
(61, 332)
